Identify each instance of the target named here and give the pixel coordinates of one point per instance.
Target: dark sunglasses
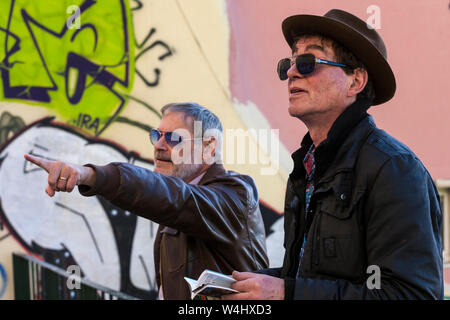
(172, 138)
(305, 63)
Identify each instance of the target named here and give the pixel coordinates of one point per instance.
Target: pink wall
(416, 34)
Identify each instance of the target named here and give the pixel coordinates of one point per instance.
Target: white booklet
(211, 284)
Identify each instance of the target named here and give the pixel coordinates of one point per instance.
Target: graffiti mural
(3, 280)
(84, 74)
(100, 72)
(81, 74)
(9, 125)
(110, 245)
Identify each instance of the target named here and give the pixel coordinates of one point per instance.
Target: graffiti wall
(83, 81)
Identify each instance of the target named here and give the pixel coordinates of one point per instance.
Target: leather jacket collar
(216, 169)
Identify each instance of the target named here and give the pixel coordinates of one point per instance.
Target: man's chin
(164, 171)
(298, 111)
(294, 112)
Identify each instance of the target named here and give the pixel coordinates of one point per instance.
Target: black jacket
(374, 204)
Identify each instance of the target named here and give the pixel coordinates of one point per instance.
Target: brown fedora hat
(355, 35)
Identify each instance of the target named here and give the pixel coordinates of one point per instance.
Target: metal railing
(38, 280)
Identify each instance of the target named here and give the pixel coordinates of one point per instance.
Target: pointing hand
(63, 176)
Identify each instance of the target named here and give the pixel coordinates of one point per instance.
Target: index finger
(41, 162)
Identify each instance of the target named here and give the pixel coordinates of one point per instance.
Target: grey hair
(211, 125)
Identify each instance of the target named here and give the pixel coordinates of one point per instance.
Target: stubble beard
(186, 171)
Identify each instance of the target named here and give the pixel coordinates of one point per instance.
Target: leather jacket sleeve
(216, 211)
(402, 225)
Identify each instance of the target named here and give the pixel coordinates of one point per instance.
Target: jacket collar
(216, 169)
(326, 152)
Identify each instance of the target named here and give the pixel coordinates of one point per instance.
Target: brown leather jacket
(214, 225)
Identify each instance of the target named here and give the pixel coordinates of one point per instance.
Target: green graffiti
(79, 66)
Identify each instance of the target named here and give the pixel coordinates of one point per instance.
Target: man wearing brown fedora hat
(362, 214)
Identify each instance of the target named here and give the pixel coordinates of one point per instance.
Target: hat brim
(378, 68)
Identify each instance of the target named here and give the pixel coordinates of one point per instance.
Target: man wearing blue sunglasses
(209, 218)
(362, 214)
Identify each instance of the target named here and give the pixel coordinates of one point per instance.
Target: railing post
(21, 278)
(51, 285)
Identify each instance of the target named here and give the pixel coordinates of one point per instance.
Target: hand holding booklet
(211, 284)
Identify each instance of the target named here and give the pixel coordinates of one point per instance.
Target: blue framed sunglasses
(305, 63)
(172, 138)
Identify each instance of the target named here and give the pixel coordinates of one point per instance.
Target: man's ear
(209, 147)
(359, 81)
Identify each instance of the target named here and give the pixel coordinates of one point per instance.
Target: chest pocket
(338, 211)
(338, 249)
(173, 249)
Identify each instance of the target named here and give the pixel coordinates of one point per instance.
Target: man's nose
(161, 144)
(293, 73)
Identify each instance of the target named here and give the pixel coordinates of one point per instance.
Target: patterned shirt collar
(309, 162)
